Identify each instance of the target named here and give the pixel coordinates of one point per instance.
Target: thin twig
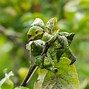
(85, 39)
(31, 71)
(33, 68)
(14, 38)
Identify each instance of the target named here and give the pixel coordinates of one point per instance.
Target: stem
(31, 71)
(33, 68)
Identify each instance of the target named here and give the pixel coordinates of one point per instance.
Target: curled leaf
(65, 78)
(38, 22)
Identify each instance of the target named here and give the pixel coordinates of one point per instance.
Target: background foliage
(15, 19)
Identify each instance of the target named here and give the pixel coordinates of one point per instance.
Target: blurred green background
(15, 19)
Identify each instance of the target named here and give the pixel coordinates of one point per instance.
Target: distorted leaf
(38, 22)
(65, 78)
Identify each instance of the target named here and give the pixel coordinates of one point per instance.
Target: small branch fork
(33, 68)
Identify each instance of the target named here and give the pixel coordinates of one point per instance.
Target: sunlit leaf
(22, 72)
(84, 4)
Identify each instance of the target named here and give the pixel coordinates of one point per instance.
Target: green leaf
(65, 78)
(84, 4)
(21, 87)
(42, 73)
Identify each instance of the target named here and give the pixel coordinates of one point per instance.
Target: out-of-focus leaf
(22, 72)
(7, 76)
(11, 11)
(30, 16)
(65, 25)
(25, 4)
(84, 4)
(84, 24)
(84, 84)
(79, 16)
(8, 84)
(65, 78)
(21, 87)
(70, 9)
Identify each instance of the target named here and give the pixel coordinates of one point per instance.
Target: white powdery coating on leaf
(38, 21)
